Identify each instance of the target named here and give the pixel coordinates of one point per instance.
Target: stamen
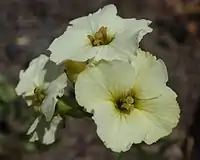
(37, 98)
(125, 103)
(100, 37)
(39, 95)
(129, 100)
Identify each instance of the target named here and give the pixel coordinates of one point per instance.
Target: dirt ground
(27, 27)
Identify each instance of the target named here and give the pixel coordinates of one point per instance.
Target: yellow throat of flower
(101, 37)
(125, 103)
(37, 98)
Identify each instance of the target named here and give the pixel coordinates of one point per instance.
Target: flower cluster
(123, 87)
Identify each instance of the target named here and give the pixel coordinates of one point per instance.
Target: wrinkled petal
(151, 75)
(162, 113)
(141, 26)
(119, 131)
(102, 82)
(48, 106)
(109, 53)
(32, 75)
(123, 47)
(107, 11)
(33, 126)
(58, 84)
(73, 44)
(39, 79)
(49, 136)
(25, 84)
(34, 137)
(125, 44)
(83, 23)
(107, 17)
(56, 88)
(94, 21)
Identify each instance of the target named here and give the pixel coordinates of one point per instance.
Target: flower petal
(141, 26)
(83, 23)
(107, 17)
(73, 44)
(108, 10)
(94, 21)
(56, 88)
(151, 75)
(162, 113)
(48, 106)
(125, 44)
(102, 82)
(32, 75)
(119, 131)
(33, 126)
(34, 137)
(49, 136)
(57, 85)
(111, 52)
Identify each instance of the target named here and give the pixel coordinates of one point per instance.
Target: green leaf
(67, 105)
(62, 107)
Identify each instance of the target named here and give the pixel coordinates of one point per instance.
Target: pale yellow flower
(40, 84)
(130, 102)
(101, 35)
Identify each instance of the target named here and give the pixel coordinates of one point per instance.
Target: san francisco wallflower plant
(122, 88)
(131, 103)
(101, 35)
(40, 84)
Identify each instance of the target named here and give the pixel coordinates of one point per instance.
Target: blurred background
(27, 27)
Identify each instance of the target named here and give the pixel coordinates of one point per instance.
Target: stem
(119, 156)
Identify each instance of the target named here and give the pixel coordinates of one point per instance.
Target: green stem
(119, 156)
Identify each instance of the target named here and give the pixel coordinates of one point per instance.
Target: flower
(130, 102)
(101, 35)
(40, 84)
(48, 135)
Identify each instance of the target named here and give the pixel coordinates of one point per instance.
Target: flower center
(39, 95)
(101, 37)
(125, 103)
(37, 98)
